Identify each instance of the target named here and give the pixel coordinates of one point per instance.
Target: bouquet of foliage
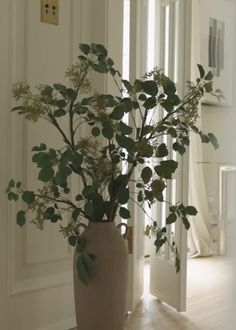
(106, 160)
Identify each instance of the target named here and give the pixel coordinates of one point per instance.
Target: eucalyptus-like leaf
(123, 195)
(146, 174)
(46, 174)
(124, 213)
(20, 218)
(172, 217)
(96, 131)
(162, 150)
(213, 140)
(81, 270)
(166, 168)
(28, 197)
(85, 48)
(186, 223)
(191, 210)
(209, 76)
(201, 70)
(150, 87)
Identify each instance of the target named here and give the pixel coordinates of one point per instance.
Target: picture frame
(217, 47)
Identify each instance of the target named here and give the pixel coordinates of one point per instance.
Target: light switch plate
(49, 11)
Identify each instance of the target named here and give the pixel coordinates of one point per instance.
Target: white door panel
(36, 290)
(174, 43)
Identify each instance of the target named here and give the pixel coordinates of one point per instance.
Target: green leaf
(124, 213)
(201, 70)
(49, 211)
(77, 160)
(59, 87)
(213, 140)
(46, 91)
(150, 103)
(42, 159)
(84, 48)
(142, 97)
(195, 129)
(76, 213)
(166, 168)
(209, 76)
(146, 174)
(81, 270)
(179, 148)
(204, 137)
(96, 131)
(149, 195)
(18, 108)
(107, 130)
(72, 240)
(168, 85)
(89, 263)
(88, 191)
(177, 260)
(36, 148)
(79, 198)
(123, 195)
(70, 93)
(140, 196)
(172, 132)
(126, 105)
(127, 85)
(157, 188)
(20, 218)
(46, 174)
(117, 113)
(145, 149)
(81, 244)
(150, 87)
(43, 146)
(171, 101)
(99, 49)
(125, 142)
(59, 113)
(186, 223)
(162, 150)
(89, 210)
(172, 217)
(11, 196)
(11, 183)
(209, 87)
(28, 197)
(190, 210)
(101, 67)
(125, 129)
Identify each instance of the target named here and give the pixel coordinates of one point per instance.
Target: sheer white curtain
(199, 239)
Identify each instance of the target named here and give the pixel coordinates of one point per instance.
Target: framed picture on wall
(217, 46)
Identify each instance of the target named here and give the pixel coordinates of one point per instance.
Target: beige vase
(101, 305)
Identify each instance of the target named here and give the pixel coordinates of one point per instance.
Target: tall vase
(101, 304)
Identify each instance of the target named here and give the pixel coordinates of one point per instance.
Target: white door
(36, 283)
(174, 42)
(135, 52)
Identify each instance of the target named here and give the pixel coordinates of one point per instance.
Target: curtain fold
(199, 238)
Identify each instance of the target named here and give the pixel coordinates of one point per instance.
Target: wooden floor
(208, 303)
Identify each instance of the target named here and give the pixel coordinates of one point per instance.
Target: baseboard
(62, 325)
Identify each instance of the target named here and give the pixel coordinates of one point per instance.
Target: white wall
(220, 121)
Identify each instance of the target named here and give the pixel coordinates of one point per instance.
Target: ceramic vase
(101, 305)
